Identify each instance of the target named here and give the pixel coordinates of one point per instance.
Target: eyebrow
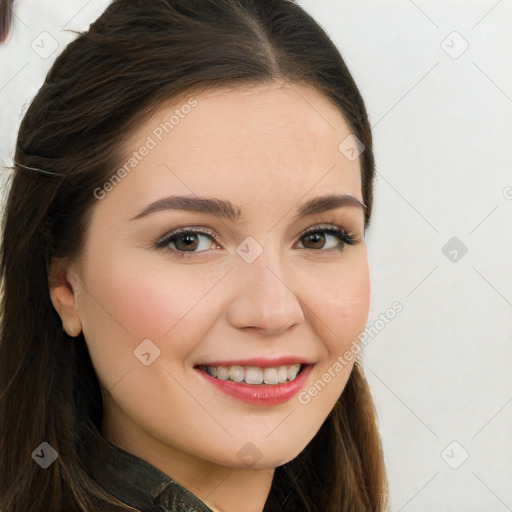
(227, 210)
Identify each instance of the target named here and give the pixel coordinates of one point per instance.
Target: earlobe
(63, 297)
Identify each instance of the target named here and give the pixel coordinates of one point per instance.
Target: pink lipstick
(260, 394)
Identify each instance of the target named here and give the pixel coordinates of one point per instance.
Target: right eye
(185, 240)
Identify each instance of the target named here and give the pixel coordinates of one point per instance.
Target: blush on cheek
(149, 309)
(155, 303)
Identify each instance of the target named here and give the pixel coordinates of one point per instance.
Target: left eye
(182, 241)
(188, 242)
(320, 237)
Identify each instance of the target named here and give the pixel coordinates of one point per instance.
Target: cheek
(341, 309)
(342, 303)
(148, 299)
(128, 302)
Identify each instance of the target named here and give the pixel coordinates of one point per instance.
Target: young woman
(185, 278)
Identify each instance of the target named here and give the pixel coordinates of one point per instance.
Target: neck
(231, 489)
(221, 488)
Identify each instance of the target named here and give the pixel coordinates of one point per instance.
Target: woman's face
(154, 308)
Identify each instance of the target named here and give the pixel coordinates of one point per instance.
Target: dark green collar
(133, 480)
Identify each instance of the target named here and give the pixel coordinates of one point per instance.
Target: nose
(264, 300)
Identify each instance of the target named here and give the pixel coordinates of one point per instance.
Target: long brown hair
(134, 58)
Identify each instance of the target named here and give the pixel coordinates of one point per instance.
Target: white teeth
(270, 376)
(293, 371)
(255, 374)
(282, 374)
(236, 373)
(222, 373)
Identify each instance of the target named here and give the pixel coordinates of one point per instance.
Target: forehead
(260, 144)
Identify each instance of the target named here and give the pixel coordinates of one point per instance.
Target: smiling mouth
(255, 375)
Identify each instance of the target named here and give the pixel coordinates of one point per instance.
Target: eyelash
(337, 231)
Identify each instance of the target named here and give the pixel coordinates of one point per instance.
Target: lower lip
(261, 394)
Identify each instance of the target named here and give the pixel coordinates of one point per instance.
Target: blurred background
(436, 77)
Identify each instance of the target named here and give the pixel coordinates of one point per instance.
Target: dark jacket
(132, 480)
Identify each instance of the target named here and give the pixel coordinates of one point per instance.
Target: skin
(267, 149)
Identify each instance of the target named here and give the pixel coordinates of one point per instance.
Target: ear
(63, 296)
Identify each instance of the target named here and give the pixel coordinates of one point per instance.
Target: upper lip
(262, 362)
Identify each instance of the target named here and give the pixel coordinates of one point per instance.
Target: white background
(442, 124)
